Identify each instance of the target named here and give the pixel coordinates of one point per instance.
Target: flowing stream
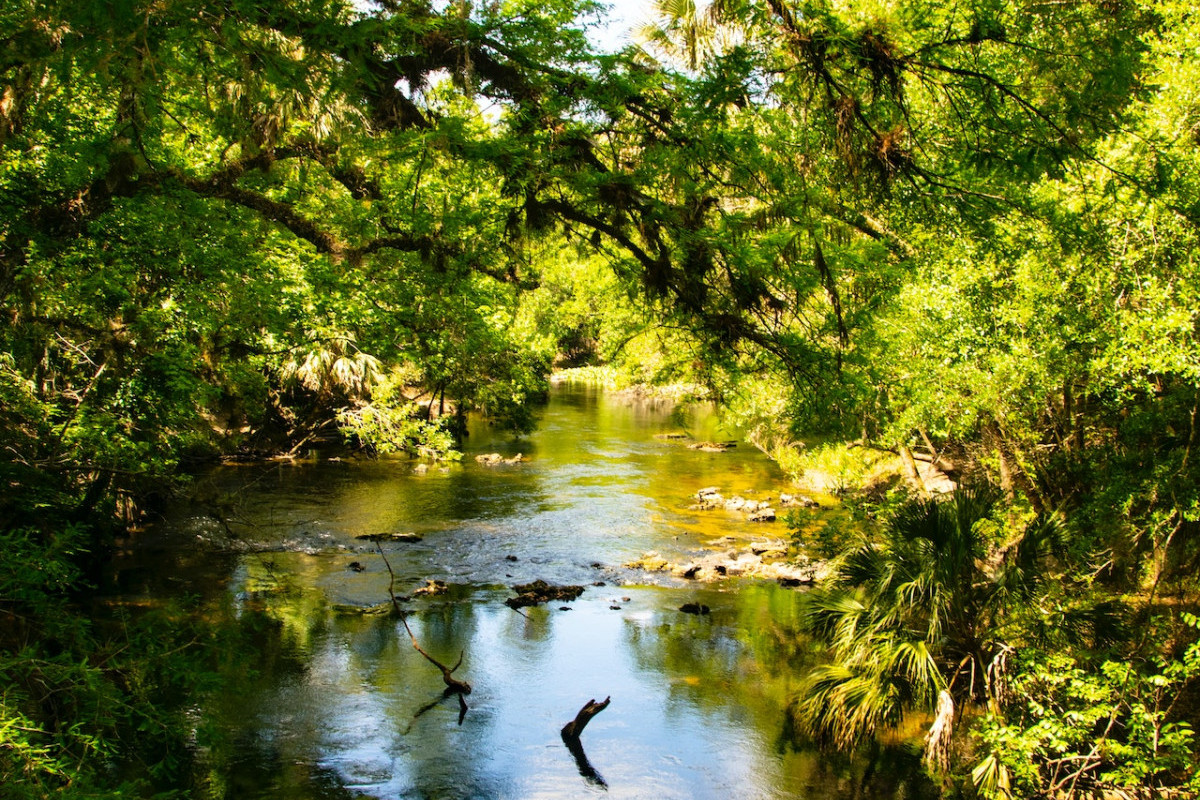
(341, 705)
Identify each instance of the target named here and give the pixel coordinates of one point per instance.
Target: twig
(391, 588)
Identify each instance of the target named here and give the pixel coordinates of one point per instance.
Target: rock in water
(538, 592)
(389, 537)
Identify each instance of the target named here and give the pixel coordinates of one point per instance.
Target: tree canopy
(965, 231)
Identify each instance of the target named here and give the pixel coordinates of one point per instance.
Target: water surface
(343, 706)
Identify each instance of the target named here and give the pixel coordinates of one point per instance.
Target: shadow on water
(348, 708)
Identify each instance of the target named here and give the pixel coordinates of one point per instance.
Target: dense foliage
(963, 233)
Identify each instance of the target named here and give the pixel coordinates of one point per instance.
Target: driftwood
(391, 585)
(389, 537)
(573, 729)
(453, 685)
(462, 710)
(570, 737)
(586, 770)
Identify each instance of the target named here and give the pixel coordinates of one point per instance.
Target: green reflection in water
(699, 703)
(346, 706)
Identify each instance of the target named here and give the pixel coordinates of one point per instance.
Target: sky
(624, 15)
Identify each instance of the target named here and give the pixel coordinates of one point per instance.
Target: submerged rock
(538, 592)
(432, 589)
(762, 515)
(797, 501)
(389, 537)
(671, 436)
(694, 608)
(495, 459)
(650, 562)
(712, 447)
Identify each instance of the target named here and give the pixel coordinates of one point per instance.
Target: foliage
(1072, 729)
(965, 230)
(99, 706)
(389, 423)
(915, 614)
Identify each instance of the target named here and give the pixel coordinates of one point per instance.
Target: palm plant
(914, 621)
(335, 367)
(689, 33)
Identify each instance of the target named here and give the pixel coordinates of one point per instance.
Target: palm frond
(842, 706)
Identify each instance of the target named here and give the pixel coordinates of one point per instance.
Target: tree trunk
(935, 457)
(1068, 401)
(911, 471)
(1012, 476)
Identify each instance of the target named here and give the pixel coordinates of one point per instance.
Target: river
(341, 705)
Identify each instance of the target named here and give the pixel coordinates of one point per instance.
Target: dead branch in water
(453, 685)
(572, 730)
(570, 737)
(392, 587)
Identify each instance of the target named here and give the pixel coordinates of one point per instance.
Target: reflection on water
(350, 709)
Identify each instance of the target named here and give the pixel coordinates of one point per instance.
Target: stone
(651, 562)
(762, 515)
(538, 592)
(797, 501)
(389, 537)
(495, 459)
(712, 447)
(432, 589)
(694, 608)
(762, 548)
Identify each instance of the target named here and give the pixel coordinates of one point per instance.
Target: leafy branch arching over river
(904, 247)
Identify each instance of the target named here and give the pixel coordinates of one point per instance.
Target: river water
(341, 705)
